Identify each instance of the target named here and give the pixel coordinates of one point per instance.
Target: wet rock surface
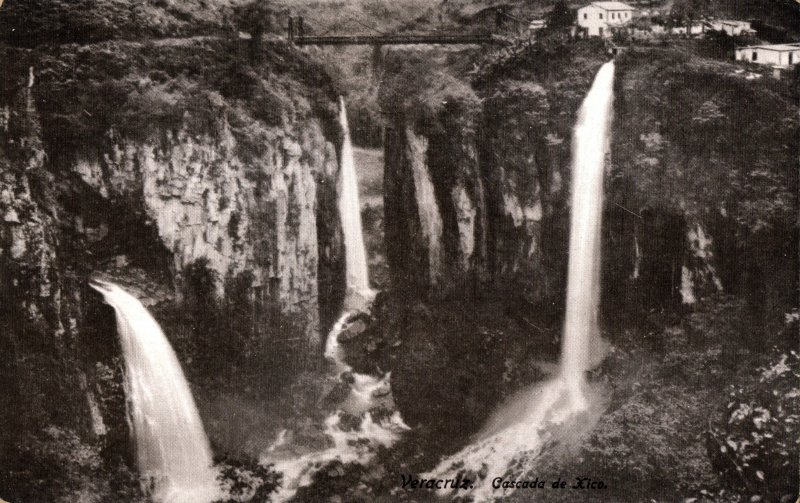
(132, 166)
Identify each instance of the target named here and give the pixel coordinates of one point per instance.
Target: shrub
(755, 450)
(55, 465)
(246, 480)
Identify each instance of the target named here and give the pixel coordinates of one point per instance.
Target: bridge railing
(297, 35)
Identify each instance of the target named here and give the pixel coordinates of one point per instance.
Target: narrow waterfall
(560, 408)
(298, 463)
(350, 214)
(172, 450)
(590, 144)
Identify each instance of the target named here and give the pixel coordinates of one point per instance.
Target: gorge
(214, 175)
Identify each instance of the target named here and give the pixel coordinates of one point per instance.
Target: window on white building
(601, 15)
(585, 16)
(755, 56)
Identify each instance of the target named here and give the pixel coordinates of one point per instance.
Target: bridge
(297, 35)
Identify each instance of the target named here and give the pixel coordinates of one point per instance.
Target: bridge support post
(377, 57)
(291, 29)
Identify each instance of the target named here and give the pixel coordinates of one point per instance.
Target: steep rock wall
(498, 157)
(206, 203)
(192, 195)
(678, 155)
(682, 205)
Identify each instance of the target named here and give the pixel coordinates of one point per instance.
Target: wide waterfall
(350, 214)
(172, 450)
(560, 408)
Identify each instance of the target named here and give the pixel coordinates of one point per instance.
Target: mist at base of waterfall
(531, 422)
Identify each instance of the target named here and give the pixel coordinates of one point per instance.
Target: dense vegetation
(35, 22)
(695, 139)
(139, 88)
(704, 398)
(678, 142)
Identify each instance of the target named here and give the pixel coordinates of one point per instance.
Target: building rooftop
(613, 5)
(775, 47)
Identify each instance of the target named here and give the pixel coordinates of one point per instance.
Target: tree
(684, 11)
(561, 16)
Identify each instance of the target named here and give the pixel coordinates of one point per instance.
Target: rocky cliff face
(180, 185)
(256, 216)
(475, 197)
(680, 162)
(498, 161)
(496, 157)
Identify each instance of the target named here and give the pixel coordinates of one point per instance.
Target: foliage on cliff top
(139, 89)
(706, 135)
(552, 57)
(419, 83)
(33, 22)
(422, 84)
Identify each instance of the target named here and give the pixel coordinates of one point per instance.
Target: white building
(692, 29)
(599, 19)
(781, 55)
(731, 27)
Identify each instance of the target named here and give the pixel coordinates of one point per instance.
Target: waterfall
(561, 408)
(589, 147)
(350, 214)
(296, 462)
(172, 450)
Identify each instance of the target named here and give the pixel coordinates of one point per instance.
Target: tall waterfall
(172, 450)
(298, 463)
(350, 213)
(558, 409)
(589, 147)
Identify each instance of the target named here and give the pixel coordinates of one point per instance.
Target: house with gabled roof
(599, 19)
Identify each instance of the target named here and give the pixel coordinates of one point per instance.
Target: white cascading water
(351, 444)
(350, 214)
(516, 433)
(172, 450)
(581, 349)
